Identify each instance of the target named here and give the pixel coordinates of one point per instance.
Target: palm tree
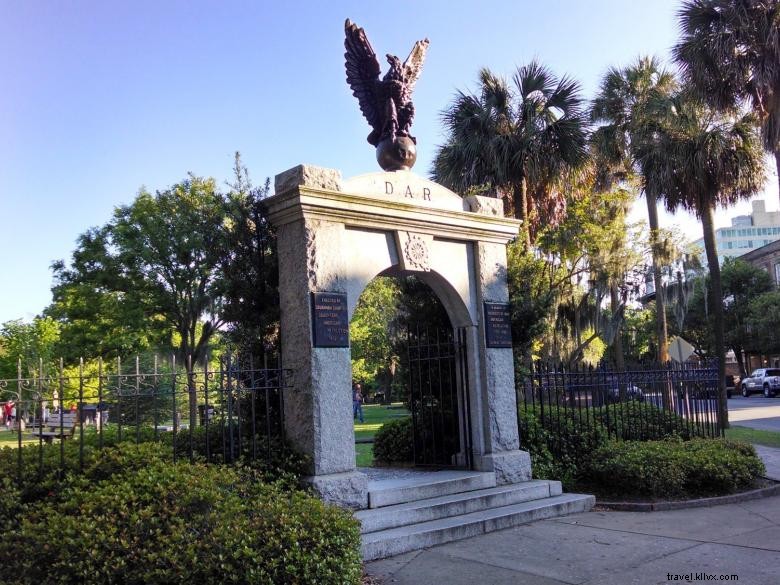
(620, 106)
(699, 158)
(515, 141)
(730, 53)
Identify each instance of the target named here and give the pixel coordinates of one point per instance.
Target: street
(755, 412)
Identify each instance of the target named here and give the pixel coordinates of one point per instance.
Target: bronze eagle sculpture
(386, 103)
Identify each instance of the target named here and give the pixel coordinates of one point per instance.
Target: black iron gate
(438, 382)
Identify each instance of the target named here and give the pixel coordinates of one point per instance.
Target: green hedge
(639, 421)
(673, 468)
(393, 442)
(133, 516)
(560, 441)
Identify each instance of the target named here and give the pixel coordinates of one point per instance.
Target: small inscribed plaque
(329, 319)
(498, 325)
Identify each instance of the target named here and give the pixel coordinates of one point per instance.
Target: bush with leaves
(393, 442)
(561, 440)
(673, 468)
(641, 421)
(169, 522)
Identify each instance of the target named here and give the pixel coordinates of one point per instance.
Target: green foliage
(149, 277)
(729, 51)
(762, 319)
(393, 442)
(176, 523)
(742, 283)
(273, 458)
(673, 468)
(515, 140)
(372, 330)
(560, 441)
(638, 332)
(386, 309)
(531, 296)
(639, 421)
(33, 343)
(250, 299)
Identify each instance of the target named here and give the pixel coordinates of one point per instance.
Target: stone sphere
(396, 154)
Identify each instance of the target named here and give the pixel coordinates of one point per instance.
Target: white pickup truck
(766, 380)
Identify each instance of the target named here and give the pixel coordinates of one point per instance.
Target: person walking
(9, 409)
(357, 402)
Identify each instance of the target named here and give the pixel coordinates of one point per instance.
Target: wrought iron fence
(643, 402)
(222, 412)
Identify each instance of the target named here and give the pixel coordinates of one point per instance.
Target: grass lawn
(365, 454)
(374, 416)
(748, 435)
(10, 439)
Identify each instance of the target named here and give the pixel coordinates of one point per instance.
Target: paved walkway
(771, 458)
(607, 548)
(611, 548)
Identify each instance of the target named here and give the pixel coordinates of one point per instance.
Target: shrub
(274, 458)
(638, 421)
(393, 442)
(534, 438)
(673, 468)
(561, 441)
(182, 523)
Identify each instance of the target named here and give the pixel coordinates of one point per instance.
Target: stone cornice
(353, 210)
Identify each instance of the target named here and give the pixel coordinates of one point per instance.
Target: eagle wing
(362, 72)
(413, 64)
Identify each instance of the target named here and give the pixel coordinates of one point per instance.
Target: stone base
(509, 466)
(348, 490)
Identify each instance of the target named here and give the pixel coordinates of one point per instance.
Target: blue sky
(100, 98)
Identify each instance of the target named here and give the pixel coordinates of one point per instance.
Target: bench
(56, 427)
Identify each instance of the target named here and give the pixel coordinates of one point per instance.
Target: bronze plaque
(329, 319)
(498, 325)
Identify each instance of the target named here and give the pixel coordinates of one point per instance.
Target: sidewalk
(771, 458)
(607, 548)
(611, 548)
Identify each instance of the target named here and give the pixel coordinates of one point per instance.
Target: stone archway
(334, 237)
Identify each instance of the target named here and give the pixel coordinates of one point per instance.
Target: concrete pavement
(608, 548)
(771, 459)
(735, 542)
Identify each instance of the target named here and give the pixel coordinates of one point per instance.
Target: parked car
(766, 380)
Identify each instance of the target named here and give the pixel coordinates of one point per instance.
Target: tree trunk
(777, 168)
(716, 304)
(660, 305)
(739, 354)
(617, 344)
(520, 202)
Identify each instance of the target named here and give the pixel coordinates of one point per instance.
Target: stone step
(394, 541)
(390, 492)
(418, 511)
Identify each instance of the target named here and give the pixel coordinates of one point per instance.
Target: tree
(623, 101)
(762, 318)
(372, 333)
(698, 158)
(29, 345)
(157, 262)
(742, 283)
(250, 304)
(730, 53)
(515, 142)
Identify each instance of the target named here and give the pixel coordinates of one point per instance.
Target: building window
(777, 274)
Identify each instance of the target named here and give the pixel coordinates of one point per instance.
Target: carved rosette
(416, 253)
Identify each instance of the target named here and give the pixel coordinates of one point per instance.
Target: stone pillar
(318, 411)
(496, 378)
